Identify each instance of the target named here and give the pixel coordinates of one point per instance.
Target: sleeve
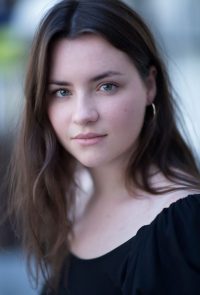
(168, 262)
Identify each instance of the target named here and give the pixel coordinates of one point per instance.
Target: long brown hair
(42, 173)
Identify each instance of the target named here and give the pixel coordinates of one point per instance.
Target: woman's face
(97, 100)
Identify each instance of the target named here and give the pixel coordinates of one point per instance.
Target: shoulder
(182, 207)
(169, 251)
(177, 199)
(180, 219)
(176, 235)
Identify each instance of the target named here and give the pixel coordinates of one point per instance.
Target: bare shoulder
(176, 195)
(176, 192)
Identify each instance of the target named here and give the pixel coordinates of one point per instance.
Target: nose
(85, 112)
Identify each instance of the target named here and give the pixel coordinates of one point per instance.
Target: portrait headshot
(103, 186)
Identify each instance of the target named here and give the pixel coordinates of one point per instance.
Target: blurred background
(176, 25)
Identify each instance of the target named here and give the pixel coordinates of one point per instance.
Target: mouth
(89, 138)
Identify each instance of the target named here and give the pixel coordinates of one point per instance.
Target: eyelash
(57, 92)
(110, 84)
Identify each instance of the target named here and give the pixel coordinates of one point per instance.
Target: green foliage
(12, 50)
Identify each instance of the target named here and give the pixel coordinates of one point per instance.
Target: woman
(105, 188)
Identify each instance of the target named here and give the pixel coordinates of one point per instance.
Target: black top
(162, 258)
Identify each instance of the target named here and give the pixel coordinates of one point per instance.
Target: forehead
(86, 54)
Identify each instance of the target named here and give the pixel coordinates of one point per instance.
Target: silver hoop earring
(154, 109)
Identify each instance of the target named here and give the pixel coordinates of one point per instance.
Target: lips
(88, 136)
(87, 139)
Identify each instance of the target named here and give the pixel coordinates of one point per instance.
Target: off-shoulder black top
(163, 258)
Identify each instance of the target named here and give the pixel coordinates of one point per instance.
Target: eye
(108, 87)
(59, 93)
(62, 92)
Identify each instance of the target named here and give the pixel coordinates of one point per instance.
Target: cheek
(58, 118)
(53, 118)
(58, 113)
(130, 114)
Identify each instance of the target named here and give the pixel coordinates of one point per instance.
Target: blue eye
(62, 92)
(108, 87)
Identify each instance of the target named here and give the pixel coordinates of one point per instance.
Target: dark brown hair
(42, 172)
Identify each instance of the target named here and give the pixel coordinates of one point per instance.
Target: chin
(91, 162)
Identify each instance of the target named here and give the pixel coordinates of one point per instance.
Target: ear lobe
(151, 85)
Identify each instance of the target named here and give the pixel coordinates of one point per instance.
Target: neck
(109, 182)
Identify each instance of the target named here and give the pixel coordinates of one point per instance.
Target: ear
(150, 83)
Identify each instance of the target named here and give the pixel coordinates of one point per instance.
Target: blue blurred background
(176, 25)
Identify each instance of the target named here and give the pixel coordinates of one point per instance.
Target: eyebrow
(94, 79)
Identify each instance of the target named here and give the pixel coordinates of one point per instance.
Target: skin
(102, 93)
(95, 88)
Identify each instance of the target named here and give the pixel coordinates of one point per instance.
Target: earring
(154, 109)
